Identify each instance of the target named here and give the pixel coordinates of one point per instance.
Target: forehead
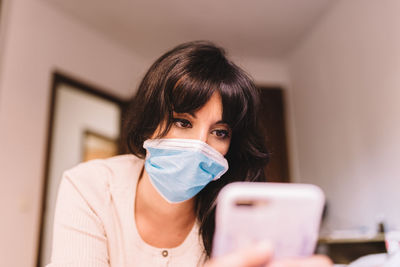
(213, 106)
(211, 109)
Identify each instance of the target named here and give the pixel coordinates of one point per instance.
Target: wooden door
(272, 120)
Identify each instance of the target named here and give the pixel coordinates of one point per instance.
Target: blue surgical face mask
(180, 168)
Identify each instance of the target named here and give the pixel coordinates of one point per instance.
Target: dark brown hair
(183, 80)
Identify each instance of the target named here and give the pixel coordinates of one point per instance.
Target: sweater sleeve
(79, 239)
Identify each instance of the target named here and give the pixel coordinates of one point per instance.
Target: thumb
(252, 256)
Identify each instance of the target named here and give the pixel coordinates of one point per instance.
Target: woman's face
(205, 124)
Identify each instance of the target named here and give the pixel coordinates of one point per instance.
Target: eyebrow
(221, 122)
(194, 116)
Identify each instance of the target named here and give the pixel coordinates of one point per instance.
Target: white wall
(345, 86)
(75, 112)
(4, 7)
(40, 39)
(265, 71)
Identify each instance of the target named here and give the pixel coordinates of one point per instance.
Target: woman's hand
(260, 255)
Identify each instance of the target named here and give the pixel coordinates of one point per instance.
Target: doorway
(272, 120)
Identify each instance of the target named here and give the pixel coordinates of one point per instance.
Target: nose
(202, 134)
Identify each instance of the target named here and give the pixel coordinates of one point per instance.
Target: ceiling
(247, 28)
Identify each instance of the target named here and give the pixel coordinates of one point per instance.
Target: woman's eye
(221, 133)
(182, 123)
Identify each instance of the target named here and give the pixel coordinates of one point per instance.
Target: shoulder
(94, 178)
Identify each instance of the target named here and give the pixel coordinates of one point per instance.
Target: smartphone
(286, 215)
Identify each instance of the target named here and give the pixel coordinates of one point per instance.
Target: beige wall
(345, 83)
(39, 39)
(75, 112)
(268, 71)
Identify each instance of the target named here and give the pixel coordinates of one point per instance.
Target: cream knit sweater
(94, 224)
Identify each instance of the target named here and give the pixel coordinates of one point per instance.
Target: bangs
(234, 105)
(239, 99)
(191, 93)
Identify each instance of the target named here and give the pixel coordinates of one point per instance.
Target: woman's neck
(159, 223)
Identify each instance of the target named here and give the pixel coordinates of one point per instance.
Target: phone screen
(286, 215)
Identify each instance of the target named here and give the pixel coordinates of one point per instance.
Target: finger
(314, 261)
(251, 257)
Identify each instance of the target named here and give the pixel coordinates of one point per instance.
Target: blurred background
(329, 69)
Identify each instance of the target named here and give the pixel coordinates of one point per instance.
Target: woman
(193, 116)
